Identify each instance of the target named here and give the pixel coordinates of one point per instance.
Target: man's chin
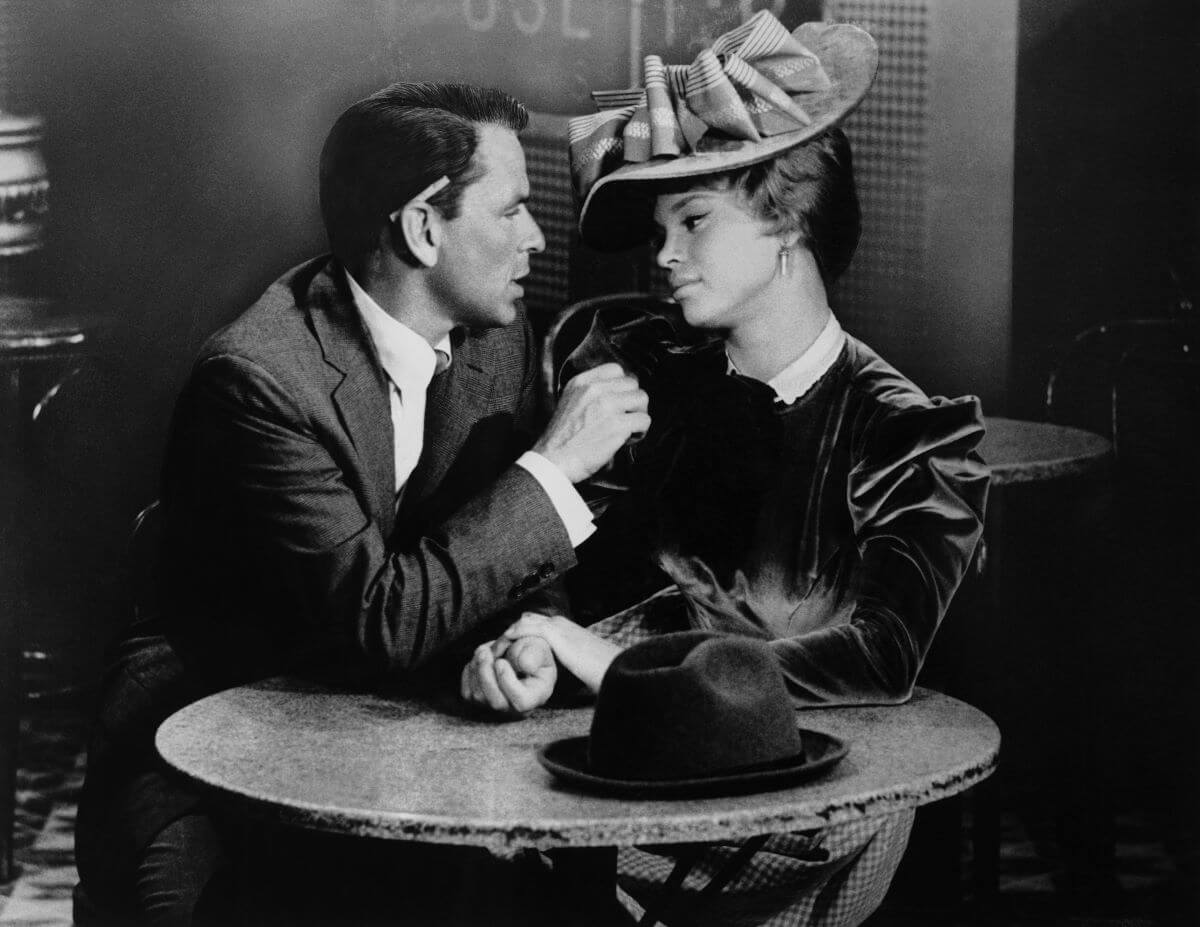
(499, 316)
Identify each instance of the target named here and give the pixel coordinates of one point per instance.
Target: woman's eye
(691, 222)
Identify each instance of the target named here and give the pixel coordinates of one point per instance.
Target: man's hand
(576, 649)
(510, 676)
(597, 413)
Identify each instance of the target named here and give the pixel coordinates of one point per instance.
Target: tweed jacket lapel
(361, 398)
(456, 400)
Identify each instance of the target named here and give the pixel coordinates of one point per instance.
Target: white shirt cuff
(574, 512)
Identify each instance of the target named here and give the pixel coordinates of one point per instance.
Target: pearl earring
(784, 253)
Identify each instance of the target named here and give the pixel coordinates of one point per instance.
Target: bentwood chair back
(1080, 388)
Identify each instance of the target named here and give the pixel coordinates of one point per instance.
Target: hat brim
(567, 759)
(609, 222)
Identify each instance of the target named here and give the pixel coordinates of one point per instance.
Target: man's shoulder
(277, 324)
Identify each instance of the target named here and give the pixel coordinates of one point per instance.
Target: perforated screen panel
(551, 202)
(878, 299)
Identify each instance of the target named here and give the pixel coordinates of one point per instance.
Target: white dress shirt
(410, 363)
(798, 377)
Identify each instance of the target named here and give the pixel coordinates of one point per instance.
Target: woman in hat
(793, 486)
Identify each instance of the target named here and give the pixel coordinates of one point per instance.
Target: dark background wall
(1106, 174)
(182, 139)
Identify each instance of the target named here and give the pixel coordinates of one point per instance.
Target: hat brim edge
(566, 759)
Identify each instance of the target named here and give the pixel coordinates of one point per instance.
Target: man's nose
(534, 241)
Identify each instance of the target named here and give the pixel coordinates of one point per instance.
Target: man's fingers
(638, 422)
(513, 690)
(528, 655)
(468, 685)
(598, 412)
(599, 373)
(620, 389)
(638, 401)
(485, 679)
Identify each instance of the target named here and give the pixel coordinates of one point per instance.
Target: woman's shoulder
(894, 412)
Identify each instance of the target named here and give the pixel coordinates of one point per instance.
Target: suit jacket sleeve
(325, 572)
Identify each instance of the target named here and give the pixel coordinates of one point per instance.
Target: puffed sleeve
(916, 494)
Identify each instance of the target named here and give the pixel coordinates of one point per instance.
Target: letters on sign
(529, 16)
(746, 8)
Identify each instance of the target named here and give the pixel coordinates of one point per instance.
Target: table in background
(1049, 484)
(1049, 511)
(408, 769)
(1027, 452)
(1017, 639)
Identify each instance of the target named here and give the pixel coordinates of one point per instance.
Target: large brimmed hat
(692, 713)
(756, 92)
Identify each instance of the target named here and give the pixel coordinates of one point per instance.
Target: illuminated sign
(553, 53)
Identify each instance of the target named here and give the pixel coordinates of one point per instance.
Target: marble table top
(400, 768)
(1023, 452)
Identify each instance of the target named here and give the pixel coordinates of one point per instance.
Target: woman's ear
(421, 226)
(788, 238)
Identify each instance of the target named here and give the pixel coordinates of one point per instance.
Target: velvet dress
(836, 526)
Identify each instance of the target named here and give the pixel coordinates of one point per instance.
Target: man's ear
(421, 226)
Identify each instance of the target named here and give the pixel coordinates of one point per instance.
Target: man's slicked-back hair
(387, 148)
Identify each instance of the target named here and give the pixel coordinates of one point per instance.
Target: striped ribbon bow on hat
(739, 87)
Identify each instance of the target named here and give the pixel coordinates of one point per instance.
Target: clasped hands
(517, 672)
(511, 675)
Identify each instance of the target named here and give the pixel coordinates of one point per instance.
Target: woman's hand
(511, 677)
(579, 650)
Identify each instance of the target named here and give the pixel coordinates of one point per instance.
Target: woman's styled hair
(807, 189)
(387, 148)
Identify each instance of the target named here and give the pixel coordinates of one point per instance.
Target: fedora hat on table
(756, 92)
(692, 713)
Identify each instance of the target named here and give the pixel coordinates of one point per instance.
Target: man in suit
(352, 484)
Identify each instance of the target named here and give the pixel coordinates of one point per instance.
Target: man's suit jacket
(283, 549)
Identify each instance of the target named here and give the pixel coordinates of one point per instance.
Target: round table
(363, 764)
(1026, 452)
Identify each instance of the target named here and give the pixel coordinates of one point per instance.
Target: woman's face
(721, 257)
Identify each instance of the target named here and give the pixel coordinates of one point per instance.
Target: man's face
(485, 251)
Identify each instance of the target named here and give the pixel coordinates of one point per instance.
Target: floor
(1151, 886)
